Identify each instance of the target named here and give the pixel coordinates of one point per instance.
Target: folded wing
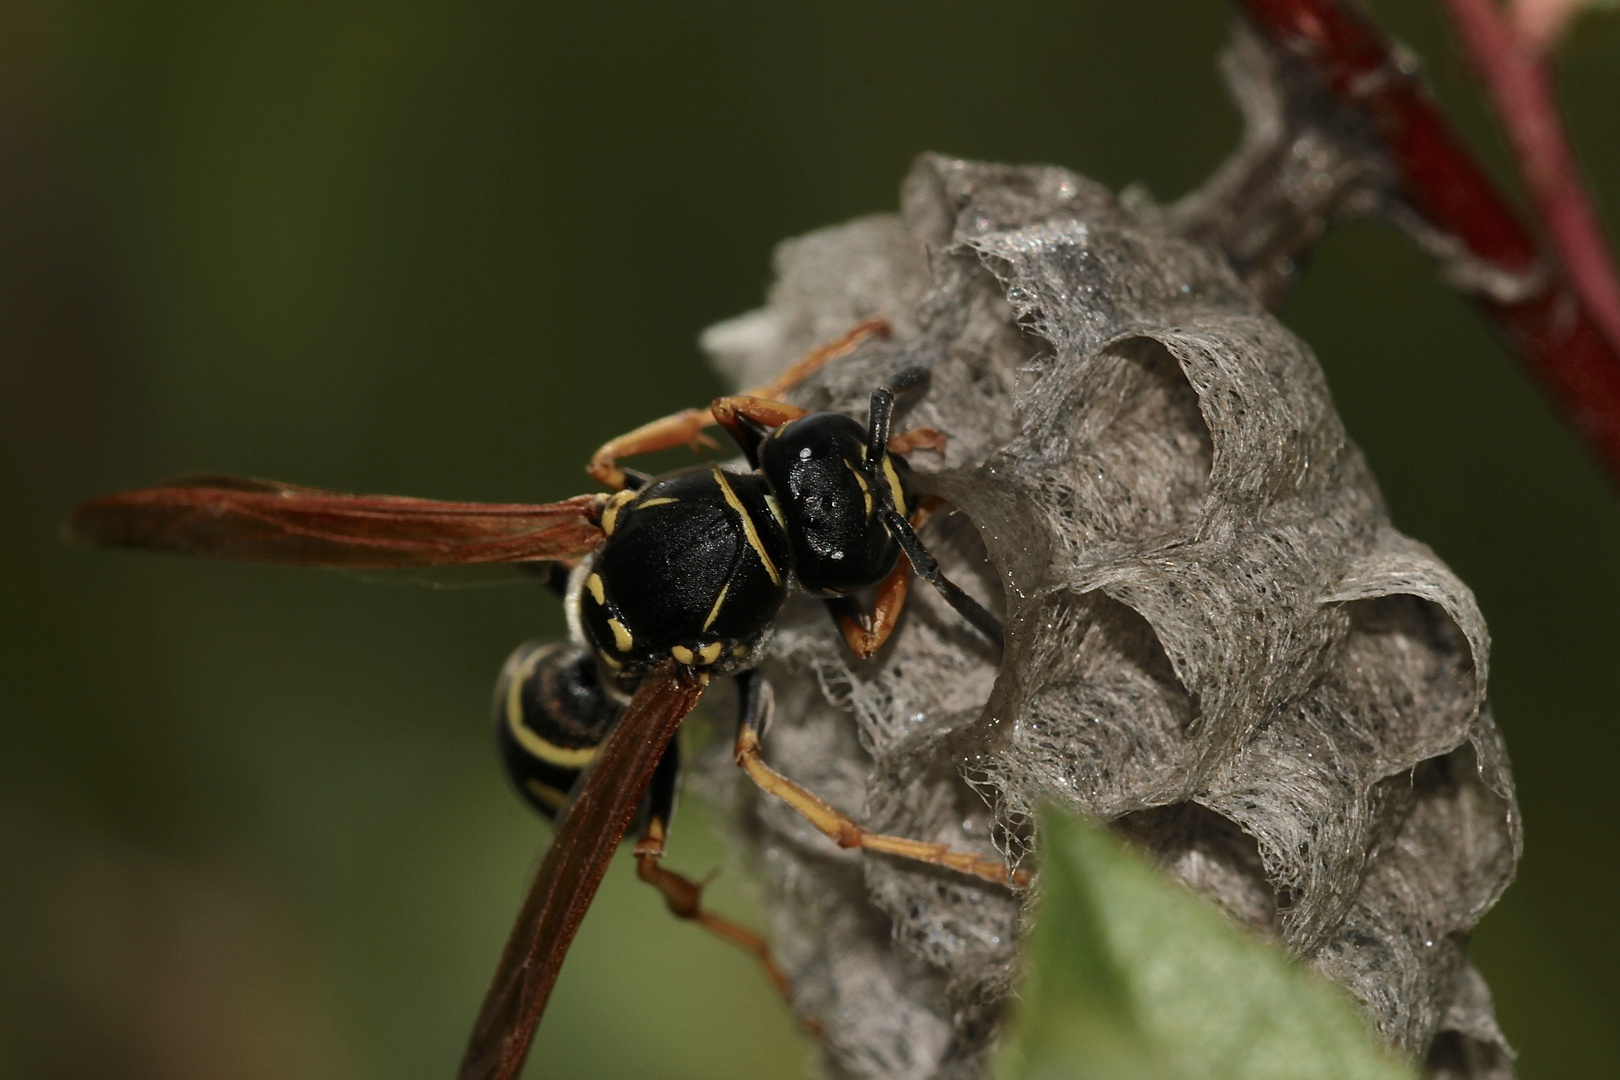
(236, 518)
(583, 846)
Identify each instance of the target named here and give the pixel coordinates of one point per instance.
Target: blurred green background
(250, 821)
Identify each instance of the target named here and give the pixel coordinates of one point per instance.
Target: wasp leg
(839, 827)
(682, 895)
(866, 634)
(924, 438)
(749, 418)
(686, 428)
(821, 356)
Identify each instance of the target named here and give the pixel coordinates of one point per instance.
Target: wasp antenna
(927, 568)
(882, 409)
(877, 427)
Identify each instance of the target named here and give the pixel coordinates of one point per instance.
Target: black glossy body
(816, 466)
(695, 566)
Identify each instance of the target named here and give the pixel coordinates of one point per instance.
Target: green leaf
(1129, 976)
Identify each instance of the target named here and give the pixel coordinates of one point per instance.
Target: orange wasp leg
(866, 634)
(684, 897)
(821, 356)
(844, 830)
(686, 428)
(917, 439)
(731, 412)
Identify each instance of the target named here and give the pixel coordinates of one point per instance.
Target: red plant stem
(1556, 332)
(1521, 87)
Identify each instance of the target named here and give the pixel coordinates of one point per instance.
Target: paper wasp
(673, 580)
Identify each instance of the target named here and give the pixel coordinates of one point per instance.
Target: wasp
(668, 582)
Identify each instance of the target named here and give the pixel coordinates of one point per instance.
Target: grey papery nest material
(1216, 639)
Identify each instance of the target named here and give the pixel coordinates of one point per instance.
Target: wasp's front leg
(687, 427)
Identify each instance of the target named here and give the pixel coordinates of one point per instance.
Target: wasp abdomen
(551, 715)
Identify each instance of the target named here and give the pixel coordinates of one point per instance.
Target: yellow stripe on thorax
(747, 524)
(610, 516)
(714, 612)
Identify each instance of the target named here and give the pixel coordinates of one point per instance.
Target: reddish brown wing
(568, 878)
(236, 518)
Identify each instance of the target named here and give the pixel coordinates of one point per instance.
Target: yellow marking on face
(710, 652)
(739, 651)
(532, 743)
(602, 654)
(610, 516)
(683, 654)
(656, 502)
(550, 797)
(776, 509)
(593, 585)
(896, 492)
(714, 612)
(621, 636)
(866, 492)
(748, 525)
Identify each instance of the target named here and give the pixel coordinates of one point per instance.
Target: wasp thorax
(695, 567)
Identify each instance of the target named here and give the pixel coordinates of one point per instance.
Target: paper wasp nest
(1216, 639)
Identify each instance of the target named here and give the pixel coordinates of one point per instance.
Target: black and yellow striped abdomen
(551, 715)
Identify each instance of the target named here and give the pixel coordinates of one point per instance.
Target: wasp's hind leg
(682, 895)
(839, 827)
(686, 428)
